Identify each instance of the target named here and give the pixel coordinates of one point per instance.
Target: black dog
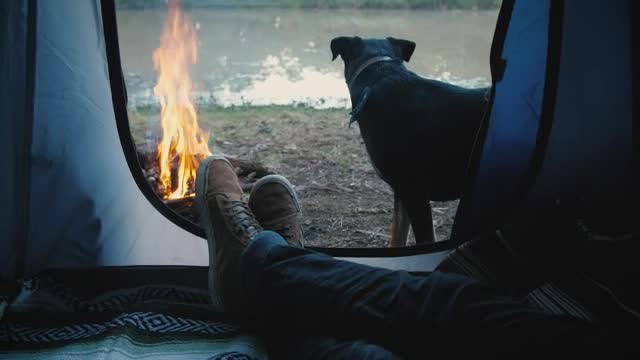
(418, 132)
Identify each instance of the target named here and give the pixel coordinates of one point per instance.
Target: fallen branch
(379, 191)
(344, 188)
(371, 211)
(323, 187)
(335, 188)
(372, 233)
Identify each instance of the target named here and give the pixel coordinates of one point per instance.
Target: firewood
(248, 173)
(245, 167)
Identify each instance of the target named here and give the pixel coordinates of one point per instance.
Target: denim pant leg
(313, 293)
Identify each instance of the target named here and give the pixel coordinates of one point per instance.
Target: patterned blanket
(160, 313)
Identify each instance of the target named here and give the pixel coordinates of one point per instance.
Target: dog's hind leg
(429, 220)
(416, 201)
(422, 222)
(399, 224)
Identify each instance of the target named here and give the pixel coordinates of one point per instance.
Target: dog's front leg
(399, 223)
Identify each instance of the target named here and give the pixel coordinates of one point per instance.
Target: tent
(76, 207)
(561, 123)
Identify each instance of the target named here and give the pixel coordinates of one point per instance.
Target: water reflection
(281, 56)
(282, 80)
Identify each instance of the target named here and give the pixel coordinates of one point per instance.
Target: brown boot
(276, 206)
(229, 225)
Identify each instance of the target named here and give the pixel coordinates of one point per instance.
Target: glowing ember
(181, 135)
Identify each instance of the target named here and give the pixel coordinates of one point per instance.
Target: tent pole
(635, 95)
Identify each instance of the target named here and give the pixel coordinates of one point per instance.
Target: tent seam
(24, 168)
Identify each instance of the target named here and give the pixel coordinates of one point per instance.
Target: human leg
(289, 286)
(317, 294)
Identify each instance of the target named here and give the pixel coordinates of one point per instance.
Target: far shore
(319, 4)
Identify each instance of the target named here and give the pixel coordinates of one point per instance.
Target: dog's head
(355, 50)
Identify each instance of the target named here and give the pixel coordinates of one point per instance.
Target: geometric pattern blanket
(122, 313)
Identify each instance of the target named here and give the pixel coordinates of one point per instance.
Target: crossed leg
(312, 293)
(273, 280)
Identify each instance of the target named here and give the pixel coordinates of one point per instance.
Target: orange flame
(181, 135)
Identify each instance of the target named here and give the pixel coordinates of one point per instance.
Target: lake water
(282, 56)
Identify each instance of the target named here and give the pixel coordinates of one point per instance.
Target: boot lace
(241, 219)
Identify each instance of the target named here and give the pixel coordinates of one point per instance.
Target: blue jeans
(357, 311)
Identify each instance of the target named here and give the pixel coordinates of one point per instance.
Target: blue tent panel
(514, 117)
(589, 150)
(561, 125)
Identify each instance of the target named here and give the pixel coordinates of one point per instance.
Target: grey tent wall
(86, 209)
(16, 87)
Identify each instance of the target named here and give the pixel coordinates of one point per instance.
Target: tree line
(327, 4)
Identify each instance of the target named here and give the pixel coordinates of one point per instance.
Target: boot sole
(205, 215)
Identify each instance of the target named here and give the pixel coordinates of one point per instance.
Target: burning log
(248, 173)
(184, 207)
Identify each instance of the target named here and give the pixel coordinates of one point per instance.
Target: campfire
(182, 139)
(171, 160)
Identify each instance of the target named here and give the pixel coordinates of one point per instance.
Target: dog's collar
(366, 64)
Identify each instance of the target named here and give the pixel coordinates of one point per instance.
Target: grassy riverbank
(345, 204)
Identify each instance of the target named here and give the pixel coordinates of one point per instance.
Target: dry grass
(344, 202)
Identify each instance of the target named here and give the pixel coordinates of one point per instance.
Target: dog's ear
(404, 48)
(340, 45)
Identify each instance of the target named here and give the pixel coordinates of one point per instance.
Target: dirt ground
(345, 204)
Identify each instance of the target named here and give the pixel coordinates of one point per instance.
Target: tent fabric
(589, 150)
(13, 126)
(86, 210)
(71, 200)
(513, 118)
(560, 128)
